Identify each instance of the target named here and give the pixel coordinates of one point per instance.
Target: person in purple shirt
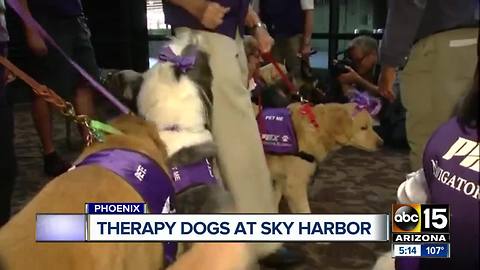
(450, 175)
(65, 22)
(217, 27)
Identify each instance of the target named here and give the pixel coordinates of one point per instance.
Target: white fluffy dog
(176, 95)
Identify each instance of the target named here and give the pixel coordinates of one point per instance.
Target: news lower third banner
(128, 227)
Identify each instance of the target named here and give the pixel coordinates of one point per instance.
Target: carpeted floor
(350, 181)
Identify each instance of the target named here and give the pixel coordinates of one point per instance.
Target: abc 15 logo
(416, 218)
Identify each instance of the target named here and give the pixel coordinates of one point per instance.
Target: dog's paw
(193, 154)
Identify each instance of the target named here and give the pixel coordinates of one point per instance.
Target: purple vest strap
(278, 135)
(187, 176)
(145, 176)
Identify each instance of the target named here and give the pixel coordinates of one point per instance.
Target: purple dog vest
(145, 176)
(277, 133)
(151, 182)
(193, 175)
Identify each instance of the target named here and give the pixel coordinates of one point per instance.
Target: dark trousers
(7, 152)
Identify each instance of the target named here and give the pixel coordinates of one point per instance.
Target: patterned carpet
(350, 181)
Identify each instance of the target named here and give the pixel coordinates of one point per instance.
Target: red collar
(306, 109)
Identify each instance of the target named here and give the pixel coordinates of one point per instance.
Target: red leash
(268, 56)
(306, 108)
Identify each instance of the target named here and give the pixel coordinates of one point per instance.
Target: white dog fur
(172, 103)
(413, 190)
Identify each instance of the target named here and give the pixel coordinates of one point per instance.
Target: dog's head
(124, 85)
(275, 95)
(137, 133)
(179, 102)
(313, 90)
(363, 136)
(338, 125)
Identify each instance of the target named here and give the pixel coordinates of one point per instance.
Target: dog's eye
(364, 127)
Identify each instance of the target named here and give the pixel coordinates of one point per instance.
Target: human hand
(36, 43)
(350, 77)
(306, 50)
(265, 41)
(8, 77)
(213, 14)
(385, 83)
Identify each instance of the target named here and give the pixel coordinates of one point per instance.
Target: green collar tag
(100, 129)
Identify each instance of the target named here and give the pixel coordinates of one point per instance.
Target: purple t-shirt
(61, 8)
(451, 165)
(284, 18)
(232, 21)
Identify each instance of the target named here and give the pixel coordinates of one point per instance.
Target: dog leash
(96, 129)
(268, 56)
(29, 20)
(306, 108)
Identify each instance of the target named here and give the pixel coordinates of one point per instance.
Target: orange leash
(66, 108)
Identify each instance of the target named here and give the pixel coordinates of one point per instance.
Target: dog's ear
(350, 107)
(340, 124)
(135, 125)
(125, 85)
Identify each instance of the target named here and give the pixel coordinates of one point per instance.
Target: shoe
(281, 258)
(54, 165)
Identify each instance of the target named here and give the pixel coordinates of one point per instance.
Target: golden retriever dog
(69, 192)
(339, 125)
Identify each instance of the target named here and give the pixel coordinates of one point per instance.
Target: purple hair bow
(184, 63)
(366, 102)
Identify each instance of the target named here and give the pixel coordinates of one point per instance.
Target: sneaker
(282, 258)
(54, 165)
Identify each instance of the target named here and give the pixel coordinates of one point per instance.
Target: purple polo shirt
(284, 18)
(451, 166)
(233, 20)
(60, 8)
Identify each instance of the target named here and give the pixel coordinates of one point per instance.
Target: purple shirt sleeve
(403, 21)
(407, 263)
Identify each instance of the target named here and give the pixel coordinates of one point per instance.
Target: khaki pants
(241, 158)
(285, 51)
(439, 72)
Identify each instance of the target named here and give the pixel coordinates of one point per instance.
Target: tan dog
(339, 125)
(68, 193)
